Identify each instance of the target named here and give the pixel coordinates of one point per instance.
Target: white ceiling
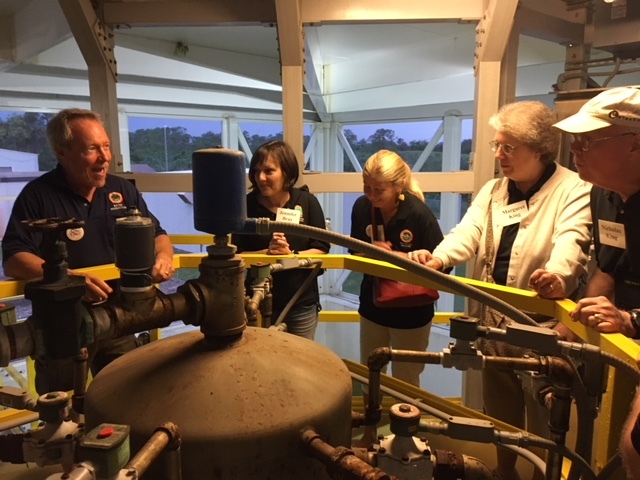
(365, 71)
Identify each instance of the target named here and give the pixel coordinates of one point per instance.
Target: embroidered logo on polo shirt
(368, 231)
(117, 201)
(116, 198)
(75, 234)
(406, 236)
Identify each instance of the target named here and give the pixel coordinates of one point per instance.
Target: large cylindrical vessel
(239, 409)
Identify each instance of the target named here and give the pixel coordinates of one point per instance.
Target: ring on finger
(597, 318)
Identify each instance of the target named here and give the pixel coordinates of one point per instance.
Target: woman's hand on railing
(547, 284)
(425, 257)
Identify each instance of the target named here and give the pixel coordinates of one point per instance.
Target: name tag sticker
(612, 234)
(288, 215)
(512, 213)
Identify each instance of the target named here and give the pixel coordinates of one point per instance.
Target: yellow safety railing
(615, 403)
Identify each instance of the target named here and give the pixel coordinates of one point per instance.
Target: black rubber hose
(264, 226)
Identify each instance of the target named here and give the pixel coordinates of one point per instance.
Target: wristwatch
(634, 315)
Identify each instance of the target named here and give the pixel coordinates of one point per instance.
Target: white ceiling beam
(37, 26)
(291, 46)
(62, 72)
(493, 33)
(540, 25)
(290, 33)
(201, 12)
(265, 69)
(95, 40)
(494, 30)
(314, 72)
(314, 11)
(191, 12)
(164, 96)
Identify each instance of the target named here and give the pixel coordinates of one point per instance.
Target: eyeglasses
(506, 148)
(585, 143)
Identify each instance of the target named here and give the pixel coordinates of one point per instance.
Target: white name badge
(288, 215)
(612, 234)
(512, 213)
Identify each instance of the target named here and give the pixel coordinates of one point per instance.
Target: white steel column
(291, 42)
(230, 132)
(450, 202)
(123, 122)
(329, 159)
(95, 40)
(492, 35)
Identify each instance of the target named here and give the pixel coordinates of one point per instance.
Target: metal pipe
(80, 373)
(341, 462)
(137, 315)
(523, 452)
(16, 341)
(163, 436)
(357, 419)
(450, 465)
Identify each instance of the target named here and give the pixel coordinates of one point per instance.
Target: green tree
(27, 133)
(163, 149)
(383, 139)
(147, 148)
(255, 140)
(207, 140)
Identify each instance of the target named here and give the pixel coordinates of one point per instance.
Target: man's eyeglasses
(585, 143)
(506, 148)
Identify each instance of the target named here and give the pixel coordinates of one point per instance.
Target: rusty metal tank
(239, 409)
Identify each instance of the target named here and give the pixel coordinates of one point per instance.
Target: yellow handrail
(615, 401)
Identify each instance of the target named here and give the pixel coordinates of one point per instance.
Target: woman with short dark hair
(273, 172)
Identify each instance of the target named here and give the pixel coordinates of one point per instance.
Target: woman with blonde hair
(394, 203)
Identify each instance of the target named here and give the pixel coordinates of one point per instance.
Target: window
(166, 144)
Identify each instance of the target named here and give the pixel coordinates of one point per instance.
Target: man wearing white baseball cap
(606, 151)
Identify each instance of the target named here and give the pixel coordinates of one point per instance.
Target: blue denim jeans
(302, 321)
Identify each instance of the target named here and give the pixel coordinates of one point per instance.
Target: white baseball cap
(617, 106)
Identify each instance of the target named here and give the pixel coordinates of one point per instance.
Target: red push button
(106, 432)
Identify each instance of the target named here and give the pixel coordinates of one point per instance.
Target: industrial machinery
(235, 402)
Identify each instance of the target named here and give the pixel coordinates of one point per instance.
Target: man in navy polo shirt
(606, 147)
(79, 187)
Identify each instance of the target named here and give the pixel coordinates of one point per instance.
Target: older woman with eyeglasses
(529, 230)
